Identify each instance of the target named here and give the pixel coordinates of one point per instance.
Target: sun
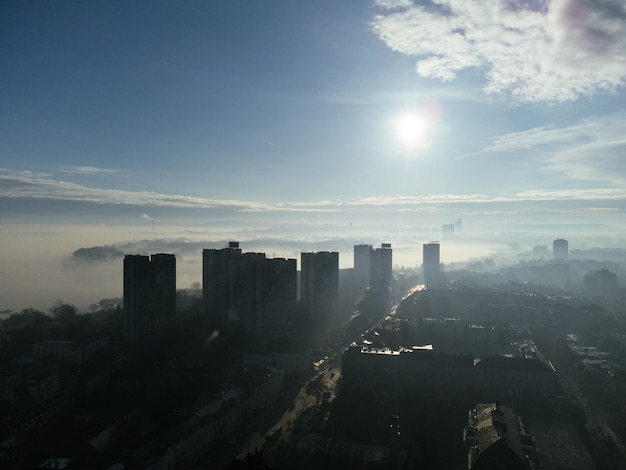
(409, 129)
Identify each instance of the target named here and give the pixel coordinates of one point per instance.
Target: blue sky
(504, 113)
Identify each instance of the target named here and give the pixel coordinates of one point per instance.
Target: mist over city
(386, 234)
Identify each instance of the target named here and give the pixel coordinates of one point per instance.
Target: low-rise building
(495, 438)
(517, 380)
(71, 352)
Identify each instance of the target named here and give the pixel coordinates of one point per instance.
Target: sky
(303, 124)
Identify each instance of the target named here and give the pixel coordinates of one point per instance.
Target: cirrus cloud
(530, 51)
(590, 150)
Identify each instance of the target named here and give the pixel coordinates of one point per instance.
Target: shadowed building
(431, 265)
(319, 279)
(281, 291)
(526, 382)
(496, 438)
(381, 269)
(249, 288)
(220, 272)
(164, 268)
(149, 292)
(362, 256)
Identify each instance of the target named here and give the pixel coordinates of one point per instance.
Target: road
(277, 424)
(326, 379)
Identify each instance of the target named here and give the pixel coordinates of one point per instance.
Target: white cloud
(87, 170)
(593, 149)
(532, 51)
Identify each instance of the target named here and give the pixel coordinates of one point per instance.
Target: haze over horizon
(310, 124)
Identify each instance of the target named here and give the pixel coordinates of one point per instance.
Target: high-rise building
(281, 293)
(319, 284)
(149, 292)
(560, 249)
(431, 265)
(250, 288)
(164, 268)
(381, 269)
(362, 257)
(220, 272)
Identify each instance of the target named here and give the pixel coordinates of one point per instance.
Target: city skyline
(124, 123)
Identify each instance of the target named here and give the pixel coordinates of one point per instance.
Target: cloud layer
(529, 51)
(27, 186)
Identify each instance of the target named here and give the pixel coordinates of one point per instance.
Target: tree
(64, 312)
(28, 317)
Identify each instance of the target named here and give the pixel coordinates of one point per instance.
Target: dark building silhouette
(164, 268)
(319, 279)
(495, 438)
(362, 257)
(431, 265)
(560, 249)
(381, 268)
(220, 281)
(149, 292)
(516, 380)
(281, 292)
(249, 288)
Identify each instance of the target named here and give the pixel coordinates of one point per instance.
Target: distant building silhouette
(458, 225)
(447, 230)
(496, 438)
(540, 251)
(319, 279)
(381, 269)
(431, 265)
(149, 292)
(250, 288)
(560, 249)
(601, 283)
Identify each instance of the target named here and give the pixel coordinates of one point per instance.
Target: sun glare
(409, 129)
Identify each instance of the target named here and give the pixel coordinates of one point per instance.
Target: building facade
(362, 256)
(260, 293)
(560, 249)
(220, 281)
(319, 284)
(381, 269)
(149, 292)
(431, 265)
(518, 381)
(495, 437)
